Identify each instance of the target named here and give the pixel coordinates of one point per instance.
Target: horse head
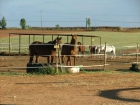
(79, 43)
(74, 39)
(58, 41)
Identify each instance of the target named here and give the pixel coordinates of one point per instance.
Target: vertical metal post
(58, 53)
(100, 44)
(56, 46)
(137, 52)
(29, 39)
(105, 57)
(100, 41)
(19, 43)
(52, 37)
(9, 44)
(91, 48)
(29, 44)
(67, 38)
(33, 38)
(82, 40)
(91, 41)
(43, 38)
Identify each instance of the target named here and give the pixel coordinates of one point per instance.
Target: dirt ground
(116, 85)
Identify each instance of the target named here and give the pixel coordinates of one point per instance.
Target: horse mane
(73, 41)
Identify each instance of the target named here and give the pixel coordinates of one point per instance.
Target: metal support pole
(43, 38)
(105, 57)
(57, 47)
(29, 44)
(67, 39)
(137, 52)
(33, 38)
(19, 43)
(91, 47)
(52, 37)
(9, 44)
(82, 40)
(29, 39)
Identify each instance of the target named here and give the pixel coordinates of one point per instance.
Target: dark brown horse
(94, 50)
(81, 48)
(44, 49)
(69, 50)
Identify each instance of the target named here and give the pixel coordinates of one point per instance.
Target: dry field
(116, 85)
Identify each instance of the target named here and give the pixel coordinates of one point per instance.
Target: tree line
(23, 25)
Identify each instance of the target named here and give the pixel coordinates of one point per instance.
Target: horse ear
(57, 38)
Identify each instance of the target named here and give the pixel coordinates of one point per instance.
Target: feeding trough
(74, 69)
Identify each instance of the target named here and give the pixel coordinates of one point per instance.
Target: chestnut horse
(69, 50)
(81, 48)
(43, 49)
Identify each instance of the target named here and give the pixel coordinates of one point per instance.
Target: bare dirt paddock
(116, 85)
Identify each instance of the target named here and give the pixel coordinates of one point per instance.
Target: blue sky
(124, 13)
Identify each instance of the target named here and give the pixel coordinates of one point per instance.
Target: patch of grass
(50, 70)
(12, 73)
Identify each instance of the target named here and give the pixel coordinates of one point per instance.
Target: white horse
(109, 49)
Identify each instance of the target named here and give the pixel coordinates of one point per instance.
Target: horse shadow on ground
(112, 94)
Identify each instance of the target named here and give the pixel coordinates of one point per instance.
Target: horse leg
(47, 59)
(78, 54)
(36, 58)
(82, 53)
(52, 57)
(68, 61)
(74, 61)
(31, 58)
(114, 55)
(62, 58)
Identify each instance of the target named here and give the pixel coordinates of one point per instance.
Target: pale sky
(124, 13)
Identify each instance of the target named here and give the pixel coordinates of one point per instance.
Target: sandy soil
(116, 85)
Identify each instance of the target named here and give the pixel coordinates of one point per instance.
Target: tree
(88, 22)
(23, 23)
(3, 23)
(57, 26)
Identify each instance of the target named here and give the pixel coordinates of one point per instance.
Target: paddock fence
(121, 51)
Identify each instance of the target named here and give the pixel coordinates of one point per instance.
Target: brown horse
(44, 49)
(69, 50)
(81, 48)
(94, 50)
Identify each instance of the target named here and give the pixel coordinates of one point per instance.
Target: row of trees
(23, 23)
(3, 23)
